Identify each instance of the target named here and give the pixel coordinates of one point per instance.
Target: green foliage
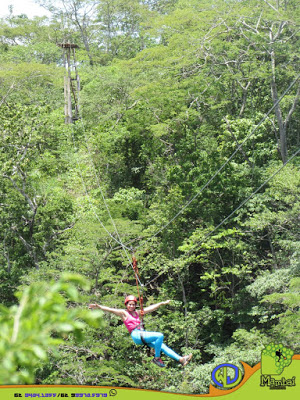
(36, 210)
(288, 324)
(245, 346)
(169, 91)
(38, 324)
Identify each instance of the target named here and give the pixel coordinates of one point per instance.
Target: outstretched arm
(154, 307)
(120, 313)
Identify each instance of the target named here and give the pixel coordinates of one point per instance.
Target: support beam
(71, 91)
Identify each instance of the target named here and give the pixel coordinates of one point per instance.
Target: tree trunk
(278, 113)
(185, 308)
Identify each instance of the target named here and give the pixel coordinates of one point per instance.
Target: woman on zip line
(131, 319)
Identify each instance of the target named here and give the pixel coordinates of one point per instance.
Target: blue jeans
(154, 340)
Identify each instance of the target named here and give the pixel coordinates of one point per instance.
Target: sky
(28, 7)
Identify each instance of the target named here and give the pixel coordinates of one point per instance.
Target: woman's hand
(166, 302)
(93, 306)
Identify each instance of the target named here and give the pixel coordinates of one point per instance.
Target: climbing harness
(148, 348)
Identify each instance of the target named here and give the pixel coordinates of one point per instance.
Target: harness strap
(140, 326)
(145, 343)
(143, 340)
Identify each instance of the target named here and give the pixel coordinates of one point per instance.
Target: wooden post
(77, 91)
(71, 92)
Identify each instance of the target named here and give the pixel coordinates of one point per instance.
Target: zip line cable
(88, 196)
(233, 212)
(101, 191)
(223, 166)
(125, 248)
(83, 183)
(119, 241)
(248, 198)
(104, 200)
(86, 191)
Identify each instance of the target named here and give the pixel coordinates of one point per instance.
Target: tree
(38, 324)
(80, 13)
(34, 215)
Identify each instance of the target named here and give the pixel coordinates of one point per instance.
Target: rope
(102, 195)
(119, 241)
(137, 278)
(125, 248)
(88, 197)
(85, 188)
(134, 264)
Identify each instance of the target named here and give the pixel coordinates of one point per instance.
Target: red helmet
(130, 298)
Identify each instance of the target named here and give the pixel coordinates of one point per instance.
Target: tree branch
(237, 143)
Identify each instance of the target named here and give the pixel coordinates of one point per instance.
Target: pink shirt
(132, 321)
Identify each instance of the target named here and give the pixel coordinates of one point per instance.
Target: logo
(274, 359)
(226, 376)
(112, 392)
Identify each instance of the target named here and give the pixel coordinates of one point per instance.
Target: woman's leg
(153, 339)
(170, 353)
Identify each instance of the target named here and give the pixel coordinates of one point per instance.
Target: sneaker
(158, 361)
(186, 359)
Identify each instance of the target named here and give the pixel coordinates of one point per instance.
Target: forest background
(186, 151)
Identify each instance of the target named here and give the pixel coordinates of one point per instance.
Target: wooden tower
(71, 83)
